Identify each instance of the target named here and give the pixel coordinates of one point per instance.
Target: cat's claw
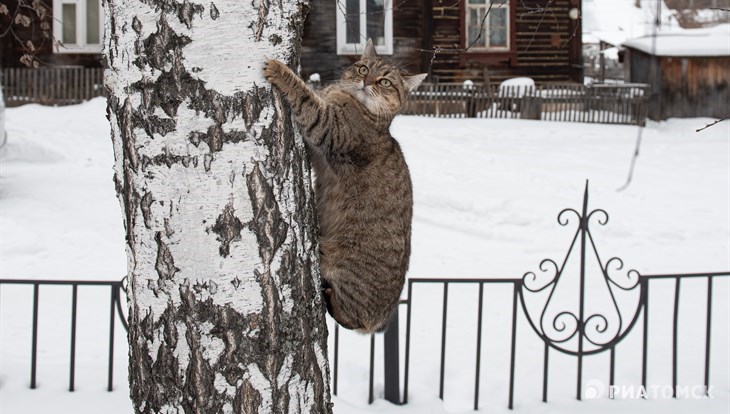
(273, 69)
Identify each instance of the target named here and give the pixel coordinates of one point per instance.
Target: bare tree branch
(22, 18)
(711, 124)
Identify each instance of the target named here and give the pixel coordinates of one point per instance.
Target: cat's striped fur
(363, 187)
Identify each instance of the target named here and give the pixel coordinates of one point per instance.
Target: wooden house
(452, 40)
(687, 71)
(77, 24)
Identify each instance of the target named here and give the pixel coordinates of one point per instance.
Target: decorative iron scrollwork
(580, 329)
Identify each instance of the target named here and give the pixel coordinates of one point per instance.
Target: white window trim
(344, 48)
(80, 46)
(475, 48)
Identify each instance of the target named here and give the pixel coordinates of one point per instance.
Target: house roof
(706, 42)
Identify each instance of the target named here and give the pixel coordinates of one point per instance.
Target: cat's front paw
(274, 70)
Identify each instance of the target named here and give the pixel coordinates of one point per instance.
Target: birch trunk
(224, 291)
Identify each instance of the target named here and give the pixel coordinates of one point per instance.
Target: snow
(621, 23)
(516, 86)
(615, 21)
(713, 41)
(487, 193)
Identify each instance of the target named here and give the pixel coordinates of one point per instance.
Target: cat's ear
(369, 52)
(413, 81)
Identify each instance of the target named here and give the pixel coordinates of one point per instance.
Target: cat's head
(379, 85)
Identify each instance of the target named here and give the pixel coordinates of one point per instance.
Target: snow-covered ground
(487, 193)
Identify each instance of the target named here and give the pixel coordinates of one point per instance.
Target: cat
(364, 196)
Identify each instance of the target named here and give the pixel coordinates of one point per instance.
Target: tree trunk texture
(226, 314)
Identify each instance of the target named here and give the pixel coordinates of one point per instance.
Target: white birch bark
(224, 292)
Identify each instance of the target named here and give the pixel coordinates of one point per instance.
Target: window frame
(493, 55)
(467, 6)
(81, 30)
(344, 48)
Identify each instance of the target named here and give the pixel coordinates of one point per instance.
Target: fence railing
(60, 85)
(574, 332)
(608, 104)
(578, 332)
(116, 288)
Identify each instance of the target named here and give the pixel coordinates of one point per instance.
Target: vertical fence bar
(111, 337)
(372, 368)
(72, 370)
(479, 347)
(408, 340)
(391, 359)
(612, 369)
(707, 335)
(512, 350)
(34, 343)
(337, 351)
(581, 293)
(645, 290)
(443, 340)
(674, 337)
(545, 373)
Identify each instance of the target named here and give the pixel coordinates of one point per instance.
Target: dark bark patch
(275, 39)
(210, 286)
(195, 138)
(228, 228)
(165, 264)
(187, 10)
(162, 47)
(215, 137)
(236, 282)
(168, 93)
(146, 206)
(267, 222)
(248, 399)
(261, 20)
(169, 231)
(207, 160)
(136, 25)
(214, 13)
(168, 159)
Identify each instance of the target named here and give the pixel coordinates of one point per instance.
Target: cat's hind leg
(334, 309)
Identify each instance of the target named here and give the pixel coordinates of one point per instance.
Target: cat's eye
(385, 83)
(363, 70)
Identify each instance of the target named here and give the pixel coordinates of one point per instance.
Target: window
(487, 32)
(358, 20)
(77, 25)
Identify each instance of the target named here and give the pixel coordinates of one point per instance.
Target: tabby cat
(363, 188)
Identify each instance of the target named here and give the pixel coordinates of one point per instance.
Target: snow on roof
(713, 41)
(615, 21)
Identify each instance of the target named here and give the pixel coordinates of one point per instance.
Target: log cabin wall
(319, 43)
(545, 43)
(683, 87)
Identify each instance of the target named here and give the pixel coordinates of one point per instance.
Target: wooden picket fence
(59, 85)
(598, 103)
(607, 104)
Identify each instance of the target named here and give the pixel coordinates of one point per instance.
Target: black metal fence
(606, 104)
(572, 332)
(575, 332)
(116, 288)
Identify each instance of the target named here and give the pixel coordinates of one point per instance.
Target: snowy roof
(714, 41)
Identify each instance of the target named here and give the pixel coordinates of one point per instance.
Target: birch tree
(224, 293)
